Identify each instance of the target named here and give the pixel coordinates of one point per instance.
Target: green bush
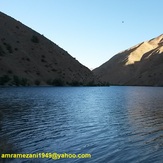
(76, 83)
(9, 72)
(16, 49)
(43, 60)
(9, 48)
(37, 82)
(1, 51)
(35, 39)
(19, 81)
(91, 83)
(16, 80)
(28, 59)
(4, 79)
(24, 82)
(57, 82)
(49, 82)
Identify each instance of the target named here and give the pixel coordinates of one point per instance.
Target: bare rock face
(139, 65)
(28, 58)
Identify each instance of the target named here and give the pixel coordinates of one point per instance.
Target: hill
(29, 58)
(140, 65)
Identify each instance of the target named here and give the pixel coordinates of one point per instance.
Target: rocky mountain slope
(139, 65)
(28, 58)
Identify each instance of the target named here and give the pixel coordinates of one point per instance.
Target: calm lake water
(113, 124)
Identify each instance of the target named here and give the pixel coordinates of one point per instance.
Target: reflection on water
(113, 124)
(146, 117)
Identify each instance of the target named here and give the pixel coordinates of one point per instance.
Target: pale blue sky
(90, 30)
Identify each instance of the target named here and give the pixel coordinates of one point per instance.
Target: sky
(92, 31)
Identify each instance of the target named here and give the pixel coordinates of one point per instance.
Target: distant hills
(28, 58)
(141, 65)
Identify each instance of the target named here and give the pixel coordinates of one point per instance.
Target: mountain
(140, 65)
(28, 58)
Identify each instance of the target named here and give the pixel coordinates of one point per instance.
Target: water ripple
(113, 124)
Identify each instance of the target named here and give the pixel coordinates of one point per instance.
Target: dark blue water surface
(113, 124)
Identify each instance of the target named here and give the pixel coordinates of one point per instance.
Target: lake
(113, 124)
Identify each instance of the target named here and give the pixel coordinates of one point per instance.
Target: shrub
(4, 79)
(28, 59)
(37, 82)
(35, 39)
(16, 80)
(19, 81)
(9, 72)
(57, 82)
(53, 70)
(76, 83)
(9, 48)
(91, 83)
(17, 27)
(49, 82)
(16, 49)
(38, 73)
(1, 51)
(24, 82)
(105, 84)
(43, 60)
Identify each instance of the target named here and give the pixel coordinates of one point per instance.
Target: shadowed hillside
(139, 65)
(28, 58)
